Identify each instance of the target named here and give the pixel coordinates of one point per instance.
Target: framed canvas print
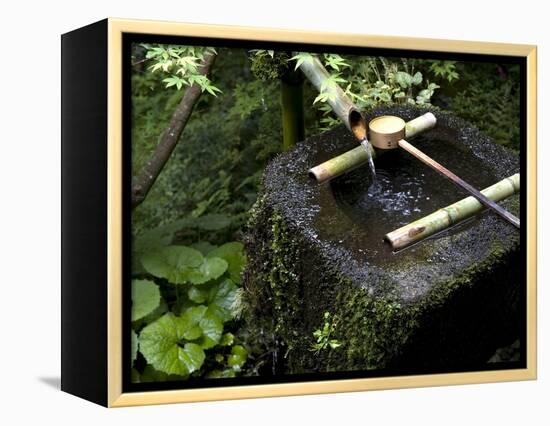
(253, 212)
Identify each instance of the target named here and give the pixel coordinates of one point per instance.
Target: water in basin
(404, 190)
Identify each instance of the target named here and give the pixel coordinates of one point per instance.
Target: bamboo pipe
(450, 215)
(340, 103)
(358, 156)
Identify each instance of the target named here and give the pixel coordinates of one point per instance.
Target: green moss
(498, 256)
(273, 301)
(372, 330)
(376, 331)
(284, 282)
(267, 67)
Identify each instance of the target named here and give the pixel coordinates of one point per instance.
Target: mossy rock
(444, 304)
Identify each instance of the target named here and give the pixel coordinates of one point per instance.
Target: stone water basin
(444, 304)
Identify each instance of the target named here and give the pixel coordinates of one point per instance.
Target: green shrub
(186, 306)
(490, 99)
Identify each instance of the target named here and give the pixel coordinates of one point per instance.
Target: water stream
(368, 147)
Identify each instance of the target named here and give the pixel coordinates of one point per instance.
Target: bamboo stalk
(450, 215)
(358, 156)
(340, 103)
(292, 95)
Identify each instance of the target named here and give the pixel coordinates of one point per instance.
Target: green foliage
(203, 303)
(323, 336)
(233, 254)
(217, 166)
(302, 57)
(152, 107)
(250, 97)
(164, 345)
(335, 62)
(268, 64)
(371, 82)
(145, 298)
(174, 263)
(490, 99)
(134, 345)
(237, 358)
(327, 93)
(445, 70)
(180, 64)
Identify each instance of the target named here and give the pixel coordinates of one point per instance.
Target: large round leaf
(173, 263)
(163, 346)
(201, 323)
(145, 298)
(212, 329)
(192, 317)
(210, 269)
(222, 299)
(197, 294)
(233, 254)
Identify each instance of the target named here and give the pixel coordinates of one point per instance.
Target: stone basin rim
(290, 191)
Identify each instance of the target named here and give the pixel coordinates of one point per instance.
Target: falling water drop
(368, 147)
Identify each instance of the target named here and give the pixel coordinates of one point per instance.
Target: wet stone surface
(349, 216)
(338, 255)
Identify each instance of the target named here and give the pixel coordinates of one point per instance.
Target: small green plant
(186, 303)
(323, 337)
(445, 70)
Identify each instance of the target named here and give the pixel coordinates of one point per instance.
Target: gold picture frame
(116, 28)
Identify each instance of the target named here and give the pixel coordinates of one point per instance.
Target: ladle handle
(458, 181)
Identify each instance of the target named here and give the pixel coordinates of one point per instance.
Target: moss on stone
(266, 67)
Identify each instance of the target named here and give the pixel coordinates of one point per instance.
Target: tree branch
(142, 183)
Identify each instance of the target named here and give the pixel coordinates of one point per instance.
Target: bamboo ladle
(388, 132)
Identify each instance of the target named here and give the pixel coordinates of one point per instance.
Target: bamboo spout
(340, 103)
(357, 124)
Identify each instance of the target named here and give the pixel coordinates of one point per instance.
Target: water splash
(368, 147)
